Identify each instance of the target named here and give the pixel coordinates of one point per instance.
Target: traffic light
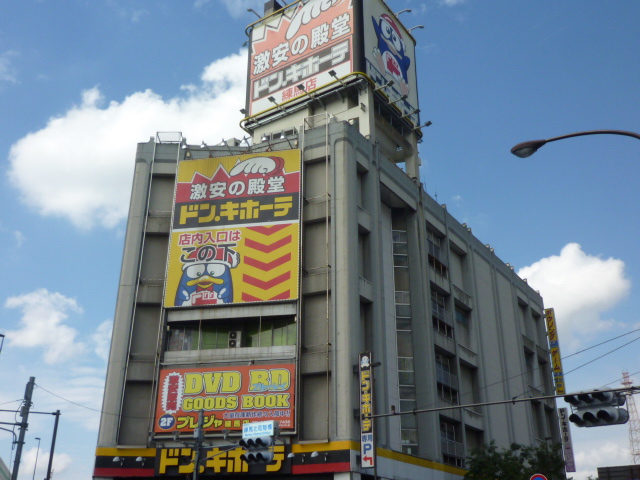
(597, 409)
(258, 450)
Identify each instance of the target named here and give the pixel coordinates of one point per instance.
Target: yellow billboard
(554, 351)
(236, 230)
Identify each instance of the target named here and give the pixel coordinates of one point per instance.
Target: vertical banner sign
(367, 445)
(567, 444)
(236, 230)
(390, 55)
(229, 396)
(299, 47)
(554, 350)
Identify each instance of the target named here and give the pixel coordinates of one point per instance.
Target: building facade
(255, 274)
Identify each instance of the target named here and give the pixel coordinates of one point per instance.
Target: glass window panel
(399, 236)
(401, 278)
(400, 248)
(222, 338)
(403, 324)
(279, 333)
(252, 334)
(266, 334)
(401, 260)
(408, 421)
(405, 345)
(403, 310)
(407, 406)
(291, 333)
(405, 364)
(408, 393)
(184, 338)
(209, 338)
(409, 436)
(406, 378)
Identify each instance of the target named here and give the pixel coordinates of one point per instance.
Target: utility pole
(53, 444)
(24, 414)
(198, 434)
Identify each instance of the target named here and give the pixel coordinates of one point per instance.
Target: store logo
(307, 12)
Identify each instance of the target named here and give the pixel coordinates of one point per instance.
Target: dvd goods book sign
(228, 396)
(236, 230)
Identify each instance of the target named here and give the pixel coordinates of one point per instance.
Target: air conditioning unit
(235, 339)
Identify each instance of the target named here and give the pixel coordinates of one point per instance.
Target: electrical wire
(86, 407)
(620, 379)
(459, 394)
(602, 343)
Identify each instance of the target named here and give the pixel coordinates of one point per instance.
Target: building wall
(374, 247)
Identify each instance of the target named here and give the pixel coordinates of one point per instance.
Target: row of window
(245, 332)
(404, 342)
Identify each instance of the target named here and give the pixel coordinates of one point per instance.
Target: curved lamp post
(526, 149)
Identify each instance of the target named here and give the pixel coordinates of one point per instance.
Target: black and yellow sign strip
(332, 456)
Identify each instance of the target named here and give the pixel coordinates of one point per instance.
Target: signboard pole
(198, 434)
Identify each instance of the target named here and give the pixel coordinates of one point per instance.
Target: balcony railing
(451, 447)
(446, 378)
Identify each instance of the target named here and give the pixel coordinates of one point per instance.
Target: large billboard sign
(299, 46)
(229, 397)
(389, 52)
(236, 230)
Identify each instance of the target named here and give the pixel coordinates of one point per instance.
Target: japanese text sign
(367, 444)
(567, 443)
(299, 46)
(179, 461)
(554, 351)
(229, 396)
(259, 429)
(236, 230)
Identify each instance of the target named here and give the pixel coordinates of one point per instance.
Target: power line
(604, 355)
(85, 407)
(466, 393)
(602, 343)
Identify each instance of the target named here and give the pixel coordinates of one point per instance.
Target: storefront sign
(229, 397)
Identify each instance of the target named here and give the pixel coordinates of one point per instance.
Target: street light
(526, 149)
(36, 464)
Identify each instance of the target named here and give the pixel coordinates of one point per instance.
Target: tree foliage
(518, 462)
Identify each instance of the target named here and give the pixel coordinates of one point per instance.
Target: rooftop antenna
(634, 422)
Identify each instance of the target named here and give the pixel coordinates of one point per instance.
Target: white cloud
(43, 324)
(102, 339)
(600, 454)
(7, 71)
(85, 156)
(581, 288)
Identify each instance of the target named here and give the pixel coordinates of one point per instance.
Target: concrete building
(5, 474)
(338, 251)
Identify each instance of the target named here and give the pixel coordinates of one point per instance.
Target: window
(452, 447)
(404, 343)
(439, 315)
(462, 317)
(214, 334)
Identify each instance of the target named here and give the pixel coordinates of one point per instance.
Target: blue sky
(81, 82)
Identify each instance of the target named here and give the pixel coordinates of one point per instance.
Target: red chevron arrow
(266, 266)
(265, 285)
(264, 230)
(286, 295)
(267, 248)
